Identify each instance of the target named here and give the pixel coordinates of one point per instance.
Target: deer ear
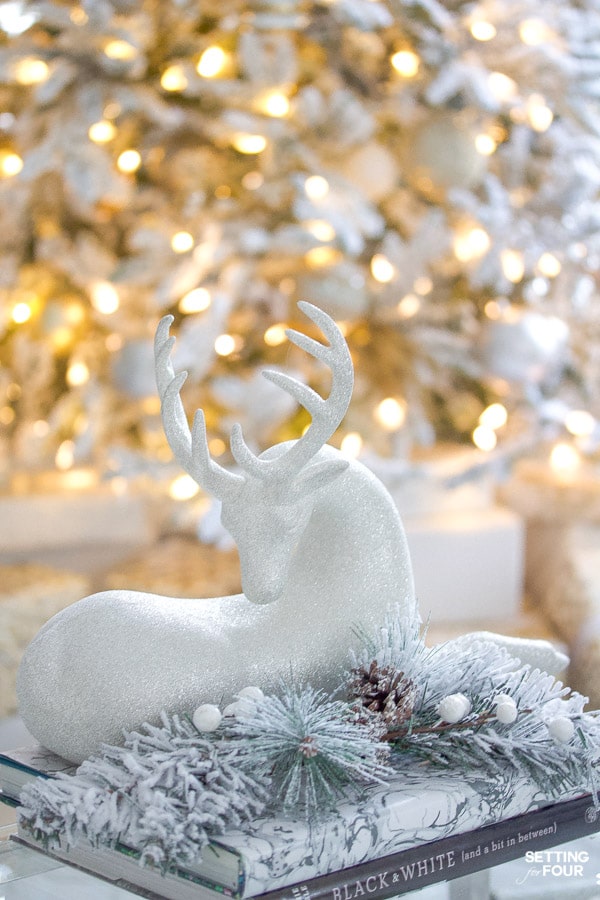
(315, 477)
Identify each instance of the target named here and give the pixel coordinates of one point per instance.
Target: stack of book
(422, 828)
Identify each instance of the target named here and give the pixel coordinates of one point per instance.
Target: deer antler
(326, 414)
(189, 448)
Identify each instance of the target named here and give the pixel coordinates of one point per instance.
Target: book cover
(19, 766)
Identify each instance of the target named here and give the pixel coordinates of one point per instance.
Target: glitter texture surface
(115, 660)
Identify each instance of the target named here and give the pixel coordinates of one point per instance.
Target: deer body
(322, 550)
(136, 654)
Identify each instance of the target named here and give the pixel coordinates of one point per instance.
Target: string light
(471, 244)
(548, 265)
(321, 256)
(483, 31)
(319, 228)
(406, 63)
(513, 265)
(217, 446)
(119, 50)
(174, 79)
(102, 132)
(409, 306)
(390, 413)
(534, 31)
(275, 335)
(10, 163)
(485, 144)
(212, 62)
(129, 161)
(249, 143)
(225, 345)
(352, 445)
(382, 269)
(40, 428)
(183, 488)
(182, 241)
(502, 87)
(484, 438)
(195, 301)
(253, 180)
(564, 460)
(539, 114)
(316, 187)
(104, 297)
(580, 423)
(274, 104)
(494, 416)
(65, 455)
(30, 71)
(7, 415)
(21, 313)
(78, 374)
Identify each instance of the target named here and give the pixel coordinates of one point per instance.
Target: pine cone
(386, 691)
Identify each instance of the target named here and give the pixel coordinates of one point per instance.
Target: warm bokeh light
(406, 63)
(352, 445)
(275, 335)
(564, 460)
(21, 313)
(10, 164)
(104, 297)
(494, 416)
(252, 181)
(212, 62)
(319, 228)
(78, 374)
(484, 438)
(482, 30)
(549, 265)
(471, 244)
(539, 114)
(316, 187)
(321, 256)
(102, 132)
(65, 455)
(183, 488)
(30, 71)
(129, 161)
(182, 241)
(423, 285)
(390, 413)
(119, 50)
(174, 79)
(274, 104)
(535, 31)
(502, 87)
(382, 269)
(485, 144)
(580, 423)
(249, 143)
(513, 265)
(225, 344)
(195, 301)
(409, 306)
(7, 415)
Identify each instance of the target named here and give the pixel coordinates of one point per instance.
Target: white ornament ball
(453, 708)
(506, 711)
(373, 170)
(561, 729)
(207, 717)
(503, 698)
(251, 693)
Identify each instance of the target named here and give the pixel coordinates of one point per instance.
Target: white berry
(251, 693)
(561, 729)
(506, 711)
(207, 717)
(503, 698)
(453, 708)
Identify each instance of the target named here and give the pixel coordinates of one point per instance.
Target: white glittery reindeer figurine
(322, 550)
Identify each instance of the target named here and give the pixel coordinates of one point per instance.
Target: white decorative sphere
(251, 693)
(453, 708)
(373, 170)
(503, 698)
(235, 708)
(561, 729)
(207, 717)
(506, 711)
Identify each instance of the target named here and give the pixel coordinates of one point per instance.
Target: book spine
(451, 857)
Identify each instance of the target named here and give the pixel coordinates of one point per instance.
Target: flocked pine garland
(171, 787)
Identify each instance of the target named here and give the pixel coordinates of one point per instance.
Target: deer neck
(352, 560)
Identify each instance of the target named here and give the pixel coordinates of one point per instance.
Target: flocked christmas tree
(426, 172)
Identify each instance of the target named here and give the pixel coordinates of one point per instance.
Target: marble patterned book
(387, 827)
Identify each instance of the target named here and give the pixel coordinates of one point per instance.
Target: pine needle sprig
(165, 792)
(312, 747)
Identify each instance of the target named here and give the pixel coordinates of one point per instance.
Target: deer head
(267, 505)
